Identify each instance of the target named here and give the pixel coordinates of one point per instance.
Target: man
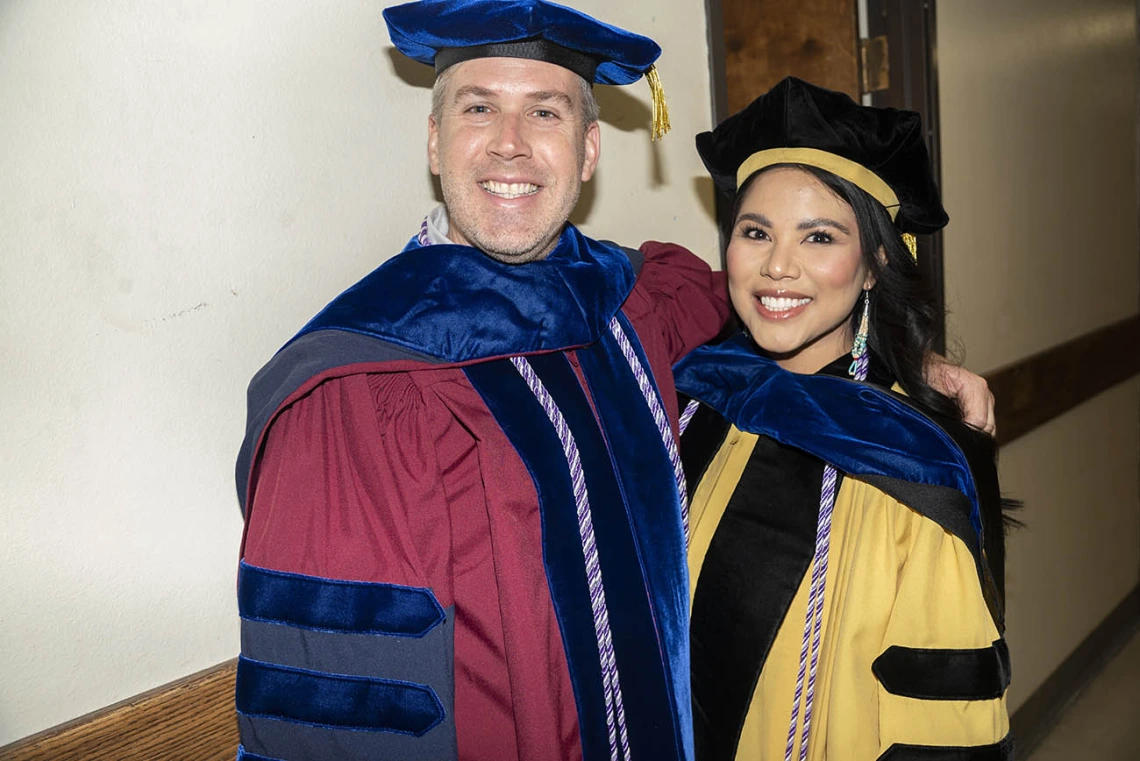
(464, 524)
(464, 537)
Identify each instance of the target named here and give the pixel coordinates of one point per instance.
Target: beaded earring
(858, 367)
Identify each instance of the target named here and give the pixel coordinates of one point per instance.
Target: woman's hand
(970, 391)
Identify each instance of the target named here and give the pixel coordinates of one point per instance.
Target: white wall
(182, 184)
(1039, 133)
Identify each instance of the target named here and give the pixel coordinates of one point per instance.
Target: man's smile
(510, 190)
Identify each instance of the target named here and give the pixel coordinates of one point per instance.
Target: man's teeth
(774, 304)
(509, 190)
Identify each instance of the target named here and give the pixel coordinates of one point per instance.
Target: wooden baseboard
(1039, 714)
(192, 719)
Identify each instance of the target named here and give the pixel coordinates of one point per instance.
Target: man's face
(511, 150)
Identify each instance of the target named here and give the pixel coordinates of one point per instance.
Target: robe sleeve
(678, 298)
(344, 587)
(944, 669)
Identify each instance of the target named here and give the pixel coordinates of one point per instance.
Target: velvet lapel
(456, 304)
(859, 429)
(654, 511)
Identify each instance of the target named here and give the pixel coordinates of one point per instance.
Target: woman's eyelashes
(754, 232)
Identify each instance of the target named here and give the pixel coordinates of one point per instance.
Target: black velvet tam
(444, 32)
(881, 150)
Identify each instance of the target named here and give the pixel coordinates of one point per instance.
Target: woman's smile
(780, 304)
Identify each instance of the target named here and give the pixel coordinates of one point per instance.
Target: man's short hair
(590, 109)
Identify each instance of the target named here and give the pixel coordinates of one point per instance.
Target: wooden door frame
(718, 92)
(718, 82)
(911, 32)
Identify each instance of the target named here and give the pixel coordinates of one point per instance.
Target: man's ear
(433, 144)
(593, 151)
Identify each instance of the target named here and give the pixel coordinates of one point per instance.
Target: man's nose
(510, 141)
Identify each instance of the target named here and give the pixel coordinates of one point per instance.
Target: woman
(844, 521)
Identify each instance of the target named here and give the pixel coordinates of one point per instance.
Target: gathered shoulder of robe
(413, 579)
(912, 661)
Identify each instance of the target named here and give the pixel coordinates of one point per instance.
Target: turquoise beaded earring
(859, 349)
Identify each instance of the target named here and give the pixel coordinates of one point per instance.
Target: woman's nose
(781, 261)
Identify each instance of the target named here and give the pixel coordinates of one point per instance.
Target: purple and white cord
(687, 415)
(813, 624)
(611, 682)
(657, 410)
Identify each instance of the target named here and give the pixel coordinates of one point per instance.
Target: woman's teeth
(509, 190)
(781, 304)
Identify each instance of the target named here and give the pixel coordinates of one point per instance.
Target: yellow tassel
(911, 245)
(660, 109)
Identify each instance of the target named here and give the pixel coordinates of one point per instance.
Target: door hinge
(875, 64)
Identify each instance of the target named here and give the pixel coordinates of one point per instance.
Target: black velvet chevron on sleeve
(944, 673)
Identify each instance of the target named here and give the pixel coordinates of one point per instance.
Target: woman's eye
(753, 233)
(819, 237)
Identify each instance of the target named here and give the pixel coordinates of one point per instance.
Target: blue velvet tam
(442, 33)
(880, 150)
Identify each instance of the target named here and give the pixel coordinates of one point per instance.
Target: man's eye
(542, 113)
(478, 110)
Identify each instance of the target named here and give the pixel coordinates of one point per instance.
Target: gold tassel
(660, 109)
(911, 245)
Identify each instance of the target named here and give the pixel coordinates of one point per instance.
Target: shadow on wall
(410, 72)
(706, 192)
(624, 112)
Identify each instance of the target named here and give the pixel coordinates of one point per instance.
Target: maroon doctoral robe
(397, 473)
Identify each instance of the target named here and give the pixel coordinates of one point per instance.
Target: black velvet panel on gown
(754, 566)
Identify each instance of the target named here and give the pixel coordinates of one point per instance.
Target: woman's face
(795, 269)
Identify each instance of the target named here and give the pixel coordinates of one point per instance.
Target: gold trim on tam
(858, 174)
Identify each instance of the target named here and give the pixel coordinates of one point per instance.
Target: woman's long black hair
(905, 322)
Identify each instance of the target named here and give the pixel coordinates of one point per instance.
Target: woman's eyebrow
(807, 224)
(759, 219)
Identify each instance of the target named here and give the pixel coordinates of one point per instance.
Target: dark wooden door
(763, 41)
